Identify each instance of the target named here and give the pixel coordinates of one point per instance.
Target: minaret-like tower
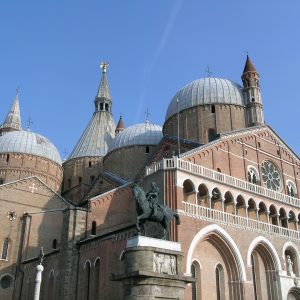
(120, 126)
(13, 119)
(254, 110)
(86, 160)
(103, 99)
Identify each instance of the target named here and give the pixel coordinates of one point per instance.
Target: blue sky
(52, 50)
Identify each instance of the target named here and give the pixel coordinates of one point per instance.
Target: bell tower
(254, 110)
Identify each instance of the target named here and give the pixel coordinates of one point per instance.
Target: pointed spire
(120, 127)
(13, 119)
(103, 90)
(249, 67)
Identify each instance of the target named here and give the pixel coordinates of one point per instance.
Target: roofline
(110, 191)
(240, 131)
(30, 177)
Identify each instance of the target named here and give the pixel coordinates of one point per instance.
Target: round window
(271, 176)
(6, 281)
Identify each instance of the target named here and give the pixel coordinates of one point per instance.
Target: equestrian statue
(148, 208)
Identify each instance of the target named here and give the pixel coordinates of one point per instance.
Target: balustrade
(173, 163)
(208, 214)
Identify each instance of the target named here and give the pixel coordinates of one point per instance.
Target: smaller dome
(30, 143)
(208, 90)
(139, 134)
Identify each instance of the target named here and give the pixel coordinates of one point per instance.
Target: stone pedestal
(153, 270)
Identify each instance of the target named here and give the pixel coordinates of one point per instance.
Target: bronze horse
(163, 215)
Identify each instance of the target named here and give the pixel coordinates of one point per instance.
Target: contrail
(161, 46)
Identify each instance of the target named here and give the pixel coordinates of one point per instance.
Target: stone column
(38, 277)
(37, 282)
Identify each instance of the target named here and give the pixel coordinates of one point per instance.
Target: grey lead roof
(96, 137)
(139, 134)
(30, 143)
(13, 118)
(208, 90)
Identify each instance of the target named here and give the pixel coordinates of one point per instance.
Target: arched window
(196, 286)
(253, 176)
(1, 181)
(101, 106)
(90, 164)
(79, 180)
(220, 283)
(291, 188)
(254, 276)
(283, 218)
(94, 228)
(54, 244)
(106, 107)
(211, 134)
(5, 247)
(147, 149)
(213, 109)
(188, 190)
(7, 158)
(51, 286)
(87, 278)
(97, 279)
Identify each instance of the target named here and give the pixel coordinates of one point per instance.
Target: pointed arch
(291, 249)
(267, 244)
(215, 229)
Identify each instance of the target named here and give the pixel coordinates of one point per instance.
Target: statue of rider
(152, 197)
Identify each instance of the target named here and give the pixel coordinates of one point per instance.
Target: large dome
(139, 134)
(30, 143)
(207, 90)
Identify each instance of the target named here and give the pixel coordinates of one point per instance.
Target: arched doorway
(222, 266)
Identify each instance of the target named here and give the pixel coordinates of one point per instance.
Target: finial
(41, 256)
(208, 71)
(65, 152)
(147, 113)
(104, 66)
(29, 123)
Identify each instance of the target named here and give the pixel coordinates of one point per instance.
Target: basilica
(231, 179)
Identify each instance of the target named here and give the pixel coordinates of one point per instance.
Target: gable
(32, 194)
(234, 153)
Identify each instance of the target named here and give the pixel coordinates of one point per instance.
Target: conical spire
(249, 67)
(120, 127)
(13, 119)
(103, 90)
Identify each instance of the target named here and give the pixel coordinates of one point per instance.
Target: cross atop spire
(13, 119)
(103, 90)
(208, 71)
(104, 66)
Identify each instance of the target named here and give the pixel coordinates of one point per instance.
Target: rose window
(271, 176)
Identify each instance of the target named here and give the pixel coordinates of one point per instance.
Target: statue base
(153, 270)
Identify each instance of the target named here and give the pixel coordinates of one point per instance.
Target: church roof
(120, 125)
(249, 67)
(28, 142)
(139, 134)
(101, 129)
(208, 90)
(13, 118)
(96, 137)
